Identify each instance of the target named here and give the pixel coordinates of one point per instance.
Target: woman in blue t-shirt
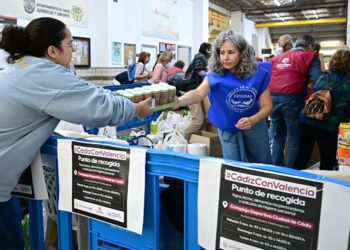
(240, 99)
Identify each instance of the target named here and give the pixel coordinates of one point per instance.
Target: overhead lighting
(328, 52)
(278, 3)
(331, 43)
(315, 13)
(278, 16)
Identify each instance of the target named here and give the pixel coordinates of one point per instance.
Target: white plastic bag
(108, 131)
(174, 138)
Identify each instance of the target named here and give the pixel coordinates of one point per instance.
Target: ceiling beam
(293, 7)
(314, 34)
(308, 28)
(302, 22)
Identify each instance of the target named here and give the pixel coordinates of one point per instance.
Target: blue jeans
(248, 146)
(11, 235)
(285, 127)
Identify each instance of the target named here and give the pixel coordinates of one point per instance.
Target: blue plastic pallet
(158, 163)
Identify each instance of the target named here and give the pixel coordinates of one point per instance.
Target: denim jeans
(285, 127)
(249, 145)
(11, 235)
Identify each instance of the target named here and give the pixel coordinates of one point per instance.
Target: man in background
(291, 72)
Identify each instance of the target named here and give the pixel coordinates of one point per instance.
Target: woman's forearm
(194, 96)
(262, 114)
(189, 98)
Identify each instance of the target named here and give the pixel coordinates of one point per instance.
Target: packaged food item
(164, 96)
(344, 133)
(343, 154)
(156, 94)
(172, 93)
(130, 96)
(138, 96)
(119, 92)
(147, 93)
(154, 127)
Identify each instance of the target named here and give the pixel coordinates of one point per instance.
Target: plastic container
(164, 95)
(344, 133)
(154, 127)
(172, 94)
(138, 96)
(156, 94)
(130, 96)
(344, 154)
(119, 92)
(147, 93)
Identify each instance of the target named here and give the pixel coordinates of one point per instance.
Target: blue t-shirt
(232, 98)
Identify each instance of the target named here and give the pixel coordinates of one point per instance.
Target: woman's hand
(177, 104)
(143, 108)
(245, 123)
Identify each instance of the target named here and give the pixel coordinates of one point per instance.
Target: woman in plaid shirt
(325, 133)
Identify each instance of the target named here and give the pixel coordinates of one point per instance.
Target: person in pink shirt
(177, 68)
(160, 72)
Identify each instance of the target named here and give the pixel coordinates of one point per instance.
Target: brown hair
(340, 61)
(180, 64)
(143, 55)
(34, 39)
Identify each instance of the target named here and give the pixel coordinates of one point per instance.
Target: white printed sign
(246, 208)
(71, 12)
(103, 182)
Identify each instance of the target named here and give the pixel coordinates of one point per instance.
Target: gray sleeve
(89, 105)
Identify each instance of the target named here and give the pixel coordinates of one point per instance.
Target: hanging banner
(246, 208)
(160, 19)
(31, 184)
(103, 182)
(71, 12)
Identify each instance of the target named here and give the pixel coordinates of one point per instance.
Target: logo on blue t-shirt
(241, 99)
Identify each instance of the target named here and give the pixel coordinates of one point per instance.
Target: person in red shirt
(177, 68)
(291, 72)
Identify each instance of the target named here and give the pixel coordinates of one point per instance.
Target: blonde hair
(165, 57)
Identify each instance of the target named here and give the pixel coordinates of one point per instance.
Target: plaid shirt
(340, 101)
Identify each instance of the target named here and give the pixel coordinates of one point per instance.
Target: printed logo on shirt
(284, 64)
(241, 99)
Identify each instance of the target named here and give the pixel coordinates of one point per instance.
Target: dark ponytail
(34, 39)
(14, 42)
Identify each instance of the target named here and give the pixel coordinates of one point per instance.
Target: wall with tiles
(100, 76)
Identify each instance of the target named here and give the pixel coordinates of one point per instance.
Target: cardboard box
(212, 141)
(211, 128)
(206, 105)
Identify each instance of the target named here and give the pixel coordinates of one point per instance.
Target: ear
(52, 52)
